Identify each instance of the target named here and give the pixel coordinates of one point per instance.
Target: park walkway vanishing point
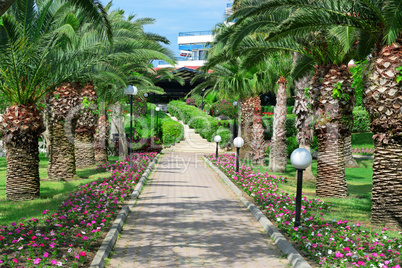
(187, 217)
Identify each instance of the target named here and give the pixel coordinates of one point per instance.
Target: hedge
(203, 124)
(361, 120)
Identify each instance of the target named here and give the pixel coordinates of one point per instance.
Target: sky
(174, 16)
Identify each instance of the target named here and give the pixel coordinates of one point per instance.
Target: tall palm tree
(30, 66)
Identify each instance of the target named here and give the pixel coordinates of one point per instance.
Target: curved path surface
(187, 217)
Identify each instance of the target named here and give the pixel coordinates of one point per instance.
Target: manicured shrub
(361, 122)
(268, 121)
(172, 132)
(226, 136)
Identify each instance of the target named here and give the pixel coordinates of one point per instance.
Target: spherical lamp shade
(130, 90)
(235, 103)
(146, 95)
(238, 142)
(300, 158)
(217, 138)
(157, 109)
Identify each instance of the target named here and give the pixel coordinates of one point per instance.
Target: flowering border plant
(71, 236)
(330, 244)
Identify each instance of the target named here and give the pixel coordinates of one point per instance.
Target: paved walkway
(187, 217)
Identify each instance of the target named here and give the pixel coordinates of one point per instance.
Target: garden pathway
(187, 217)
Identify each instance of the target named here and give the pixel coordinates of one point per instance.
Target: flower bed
(330, 244)
(71, 237)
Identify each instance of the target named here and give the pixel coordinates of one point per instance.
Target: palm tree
(30, 67)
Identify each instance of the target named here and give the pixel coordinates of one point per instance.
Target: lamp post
(217, 139)
(235, 120)
(202, 97)
(157, 125)
(131, 91)
(300, 159)
(238, 142)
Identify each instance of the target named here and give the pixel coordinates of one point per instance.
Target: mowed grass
(53, 193)
(363, 140)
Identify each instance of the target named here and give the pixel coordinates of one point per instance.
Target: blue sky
(174, 16)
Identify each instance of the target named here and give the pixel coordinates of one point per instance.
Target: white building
(193, 46)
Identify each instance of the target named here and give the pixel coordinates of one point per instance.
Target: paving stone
(187, 217)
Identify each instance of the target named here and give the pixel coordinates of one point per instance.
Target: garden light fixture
(238, 142)
(146, 95)
(131, 91)
(300, 159)
(235, 120)
(157, 119)
(217, 139)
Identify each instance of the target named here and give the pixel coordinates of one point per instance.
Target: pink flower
(45, 255)
(53, 262)
(338, 255)
(296, 229)
(15, 260)
(375, 254)
(37, 261)
(82, 253)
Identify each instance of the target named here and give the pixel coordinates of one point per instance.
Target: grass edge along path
(329, 244)
(71, 237)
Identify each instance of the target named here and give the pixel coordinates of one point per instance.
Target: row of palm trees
(323, 37)
(62, 64)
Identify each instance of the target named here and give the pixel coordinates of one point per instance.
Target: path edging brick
(111, 237)
(292, 255)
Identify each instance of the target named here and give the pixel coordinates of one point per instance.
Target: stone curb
(111, 237)
(292, 255)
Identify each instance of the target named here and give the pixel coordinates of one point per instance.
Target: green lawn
(362, 140)
(52, 192)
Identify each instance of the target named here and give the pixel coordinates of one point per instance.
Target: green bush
(226, 136)
(225, 108)
(268, 121)
(361, 122)
(289, 109)
(172, 132)
(292, 145)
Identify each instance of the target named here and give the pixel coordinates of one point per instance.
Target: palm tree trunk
(383, 100)
(303, 119)
(84, 149)
(21, 126)
(350, 162)
(333, 119)
(247, 113)
(63, 106)
(61, 148)
(101, 139)
(22, 170)
(277, 155)
(258, 142)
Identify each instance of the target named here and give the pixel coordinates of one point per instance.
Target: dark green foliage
(267, 122)
(358, 84)
(292, 145)
(361, 121)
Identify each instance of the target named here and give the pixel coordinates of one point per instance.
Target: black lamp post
(157, 125)
(238, 143)
(217, 139)
(300, 159)
(235, 120)
(202, 97)
(131, 91)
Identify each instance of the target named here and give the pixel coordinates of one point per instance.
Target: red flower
(82, 253)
